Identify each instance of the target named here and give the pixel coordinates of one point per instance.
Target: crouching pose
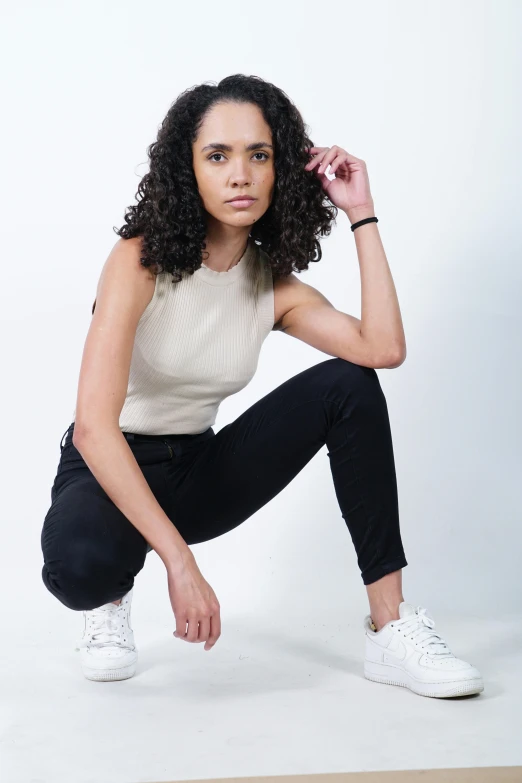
(203, 271)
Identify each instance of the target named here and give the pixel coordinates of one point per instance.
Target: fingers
(189, 634)
(193, 629)
(215, 631)
(321, 163)
(329, 156)
(335, 163)
(181, 628)
(204, 629)
(317, 159)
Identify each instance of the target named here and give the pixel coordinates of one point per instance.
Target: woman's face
(228, 168)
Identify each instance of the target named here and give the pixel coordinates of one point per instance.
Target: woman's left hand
(351, 187)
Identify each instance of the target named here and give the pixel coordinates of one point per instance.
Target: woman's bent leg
(91, 550)
(218, 483)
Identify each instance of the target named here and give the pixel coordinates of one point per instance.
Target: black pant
(209, 483)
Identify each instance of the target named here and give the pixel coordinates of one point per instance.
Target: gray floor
(276, 696)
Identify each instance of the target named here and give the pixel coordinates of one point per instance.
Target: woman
(234, 180)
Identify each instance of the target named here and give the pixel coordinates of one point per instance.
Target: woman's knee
(349, 378)
(86, 577)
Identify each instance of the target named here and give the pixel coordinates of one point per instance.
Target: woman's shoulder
(135, 247)
(123, 267)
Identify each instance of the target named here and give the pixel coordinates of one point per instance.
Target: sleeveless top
(197, 342)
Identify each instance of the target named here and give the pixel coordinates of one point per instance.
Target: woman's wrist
(176, 560)
(361, 212)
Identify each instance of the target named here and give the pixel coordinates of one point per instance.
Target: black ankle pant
(211, 482)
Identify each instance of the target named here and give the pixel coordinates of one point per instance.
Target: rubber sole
(108, 675)
(391, 675)
(111, 673)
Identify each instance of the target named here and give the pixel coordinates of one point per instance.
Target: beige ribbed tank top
(197, 342)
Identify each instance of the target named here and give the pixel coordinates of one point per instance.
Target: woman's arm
(124, 291)
(111, 461)
(381, 322)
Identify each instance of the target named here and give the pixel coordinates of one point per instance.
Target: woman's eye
(211, 157)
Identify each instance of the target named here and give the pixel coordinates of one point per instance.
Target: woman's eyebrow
(215, 145)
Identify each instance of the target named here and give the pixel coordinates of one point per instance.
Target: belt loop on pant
(63, 436)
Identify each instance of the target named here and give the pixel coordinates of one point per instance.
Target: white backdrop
(426, 94)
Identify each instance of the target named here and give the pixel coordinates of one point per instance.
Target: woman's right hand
(194, 603)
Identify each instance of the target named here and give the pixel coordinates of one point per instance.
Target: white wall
(426, 94)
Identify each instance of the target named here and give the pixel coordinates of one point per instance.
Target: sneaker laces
(419, 627)
(103, 626)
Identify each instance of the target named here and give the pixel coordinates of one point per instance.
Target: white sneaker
(410, 653)
(107, 646)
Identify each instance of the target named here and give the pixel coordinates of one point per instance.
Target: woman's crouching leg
(91, 551)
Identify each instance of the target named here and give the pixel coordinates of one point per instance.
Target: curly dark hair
(170, 216)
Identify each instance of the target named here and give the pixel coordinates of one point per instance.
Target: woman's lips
(243, 202)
